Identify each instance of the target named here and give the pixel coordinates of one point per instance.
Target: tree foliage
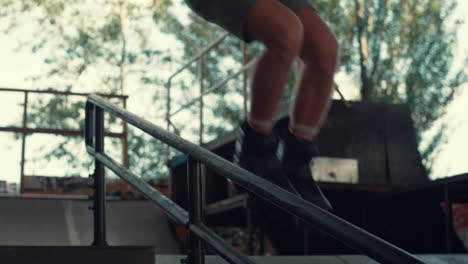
(403, 52)
(90, 46)
(400, 51)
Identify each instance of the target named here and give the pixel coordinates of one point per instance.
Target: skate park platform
(51, 221)
(66, 221)
(338, 259)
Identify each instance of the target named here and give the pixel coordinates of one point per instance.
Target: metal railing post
(99, 196)
(245, 78)
(200, 58)
(196, 246)
(202, 90)
(168, 116)
(250, 230)
(23, 142)
(125, 159)
(448, 219)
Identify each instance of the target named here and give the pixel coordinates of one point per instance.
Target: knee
(288, 40)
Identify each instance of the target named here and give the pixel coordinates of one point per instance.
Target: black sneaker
(295, 156)
(256, 153)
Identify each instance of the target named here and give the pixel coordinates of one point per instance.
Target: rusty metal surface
(60, 93)
(62, 132)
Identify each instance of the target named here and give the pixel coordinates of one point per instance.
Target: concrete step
(76, 255)
(338, 259)
(69, 222)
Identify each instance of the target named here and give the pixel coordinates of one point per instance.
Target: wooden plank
(357, 133)
(404, 159)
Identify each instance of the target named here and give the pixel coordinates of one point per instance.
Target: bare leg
(281, 31)
(313, 93)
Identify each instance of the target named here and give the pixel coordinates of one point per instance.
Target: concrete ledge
(77, 255)
(338, 259)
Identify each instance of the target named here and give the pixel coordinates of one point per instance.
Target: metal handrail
(199, 55)
(218, 85)
(354, 237)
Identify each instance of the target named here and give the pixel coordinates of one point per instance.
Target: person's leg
(310, 105)
(313, 93)
(280, 30)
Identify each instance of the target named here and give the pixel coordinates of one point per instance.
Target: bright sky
(15, 67)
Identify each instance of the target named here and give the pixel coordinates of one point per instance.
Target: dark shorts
(232, 14)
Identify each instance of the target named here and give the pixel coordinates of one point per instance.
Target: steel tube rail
(197, 249)
(356, 238)
(89, 125)
(216, 86)
(196, 57)
(99, 195)
(173, 210)
(200, 57)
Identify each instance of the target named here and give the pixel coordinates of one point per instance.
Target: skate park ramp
(58, 221)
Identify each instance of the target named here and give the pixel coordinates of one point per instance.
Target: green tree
(403, 52)
(400, 51)
(91, 46)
